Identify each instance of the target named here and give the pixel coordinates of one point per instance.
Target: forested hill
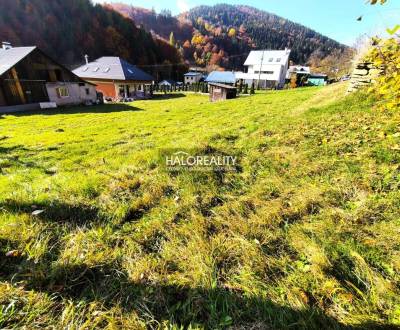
(221, 34)
(69, 29)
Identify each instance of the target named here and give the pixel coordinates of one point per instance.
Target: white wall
(192, 79)
(77, 94)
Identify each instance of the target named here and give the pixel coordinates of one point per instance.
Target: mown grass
(305, 234)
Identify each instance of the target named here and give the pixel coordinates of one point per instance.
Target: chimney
(87, 59)
(6, 45)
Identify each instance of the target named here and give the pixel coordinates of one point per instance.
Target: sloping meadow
(302, 232)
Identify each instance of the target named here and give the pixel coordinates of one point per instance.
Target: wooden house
(29, 78)
(116, 79)
(220, 92)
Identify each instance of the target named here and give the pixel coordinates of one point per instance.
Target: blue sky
(335, 18)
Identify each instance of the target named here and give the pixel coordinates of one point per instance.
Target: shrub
(386, 55)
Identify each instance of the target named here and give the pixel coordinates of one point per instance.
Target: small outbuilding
(316, 79)
(221, 92)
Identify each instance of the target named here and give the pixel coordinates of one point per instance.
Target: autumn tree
(172, 40)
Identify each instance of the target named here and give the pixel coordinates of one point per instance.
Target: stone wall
(364, 74)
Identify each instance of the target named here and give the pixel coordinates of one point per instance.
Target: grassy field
(304, 234)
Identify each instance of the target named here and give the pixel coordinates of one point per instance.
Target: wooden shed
(220, 92)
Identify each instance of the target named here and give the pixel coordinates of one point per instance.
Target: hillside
(96, 234)
(224, 34)
(67, 30)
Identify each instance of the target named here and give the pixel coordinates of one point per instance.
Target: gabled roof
(167, 81)
(112, 68)
(258, 57)
(224, 77)
(11, 56)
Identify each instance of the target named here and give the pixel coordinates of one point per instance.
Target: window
(106, 70)
(96, 69)
(87, 90)
(264, 72)
(62, 92)
(271, 59)
(278, 60)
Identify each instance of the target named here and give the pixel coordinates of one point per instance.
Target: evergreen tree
(240, 86)
(252, 91)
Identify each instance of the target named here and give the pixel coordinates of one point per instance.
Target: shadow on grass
(56, 212)
(105, 108)
(168, 96)
(215, 308)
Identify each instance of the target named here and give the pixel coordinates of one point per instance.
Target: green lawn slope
(305, 234)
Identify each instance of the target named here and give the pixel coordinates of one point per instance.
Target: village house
(297, 75)
(266, 68)
(116, 79)
(191, 78)
(29, 80)
(221, 77)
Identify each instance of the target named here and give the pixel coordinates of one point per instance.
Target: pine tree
(240, 86)
(252, 92)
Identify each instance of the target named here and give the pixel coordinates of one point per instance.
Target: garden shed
(221, 92)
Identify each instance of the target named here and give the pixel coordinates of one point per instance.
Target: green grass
(305, 234)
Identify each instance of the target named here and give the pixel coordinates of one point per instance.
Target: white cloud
(182, 5)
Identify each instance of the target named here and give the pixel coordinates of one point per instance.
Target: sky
(336, 19)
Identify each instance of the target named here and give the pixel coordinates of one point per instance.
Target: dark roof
(224, 77)
(222, 86)
(113, 68)
(11, 56)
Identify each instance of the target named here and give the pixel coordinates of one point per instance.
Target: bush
(386, 56)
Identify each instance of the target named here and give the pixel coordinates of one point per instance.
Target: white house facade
(192, 77)
(266, 68)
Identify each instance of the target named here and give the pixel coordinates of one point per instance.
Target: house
(221, 77)
(29, 78)
(297, 75)
(266, 68)
(115, 78)
(220, 92)
(316, 79)
(191, 78)
(167, 82)
(299, 70)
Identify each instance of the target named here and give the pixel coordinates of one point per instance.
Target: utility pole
(259, 72)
